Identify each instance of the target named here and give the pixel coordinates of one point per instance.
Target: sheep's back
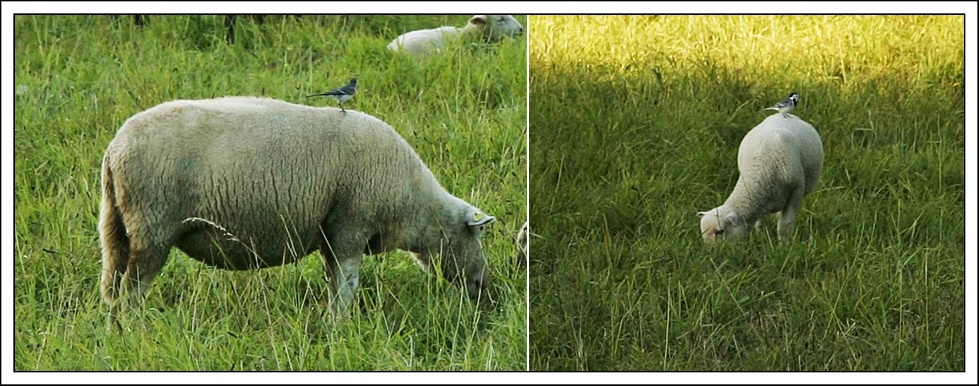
(424, 41)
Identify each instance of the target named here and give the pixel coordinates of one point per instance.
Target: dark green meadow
(635, 126)
(79, 77)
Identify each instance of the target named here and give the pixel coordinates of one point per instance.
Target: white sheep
(243, 183)
(779, 161)
(489, 28)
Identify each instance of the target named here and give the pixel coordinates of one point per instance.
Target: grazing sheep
(490, 28)
(242, 183)
(780, 161)
(523, 244)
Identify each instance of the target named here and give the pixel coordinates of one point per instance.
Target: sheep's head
(463, 261)
(496, 27)
(719, 224)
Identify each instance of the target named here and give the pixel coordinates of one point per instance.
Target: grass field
(78, 78)
(635, 126)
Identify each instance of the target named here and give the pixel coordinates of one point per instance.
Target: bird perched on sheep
(340, 94)
(489, 28)
(243, 183)
(779, 161)
(785, 105)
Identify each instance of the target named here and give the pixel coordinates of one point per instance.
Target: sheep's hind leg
(145, 263)
(787, 215)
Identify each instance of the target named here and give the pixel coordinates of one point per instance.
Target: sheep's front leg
(343, 260)
(787, 215)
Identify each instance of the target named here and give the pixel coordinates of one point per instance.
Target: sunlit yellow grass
(780, 49)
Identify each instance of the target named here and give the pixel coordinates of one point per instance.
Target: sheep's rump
(780, 154)
(253, 178)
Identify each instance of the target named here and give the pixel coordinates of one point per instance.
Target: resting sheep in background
(242, 183)
(779, 161)
(490, 28)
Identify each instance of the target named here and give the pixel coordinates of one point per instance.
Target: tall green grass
(79, 77)
(636, 122)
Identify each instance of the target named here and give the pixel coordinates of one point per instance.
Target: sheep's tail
(113, 237)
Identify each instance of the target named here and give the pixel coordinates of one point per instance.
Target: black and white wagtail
(341, 94)
(786, 105)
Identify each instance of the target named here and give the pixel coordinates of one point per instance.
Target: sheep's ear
(477, 218)
(732, 218)
(478, 20)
